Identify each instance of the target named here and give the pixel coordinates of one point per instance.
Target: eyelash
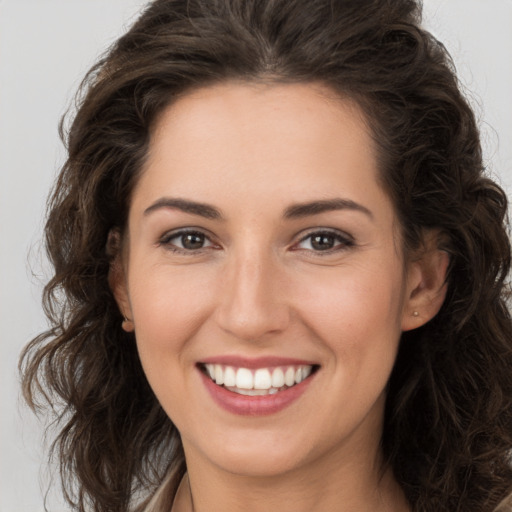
(168, 237)
(342, 241)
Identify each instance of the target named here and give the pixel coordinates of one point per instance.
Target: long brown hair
(448, 422)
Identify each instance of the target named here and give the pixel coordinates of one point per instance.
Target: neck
(344, 488)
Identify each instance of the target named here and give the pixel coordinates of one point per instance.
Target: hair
(448, 420)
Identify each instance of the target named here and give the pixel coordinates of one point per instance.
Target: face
(264, 278)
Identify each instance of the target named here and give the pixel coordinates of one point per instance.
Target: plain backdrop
(46, 46)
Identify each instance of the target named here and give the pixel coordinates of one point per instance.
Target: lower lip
(254, 405)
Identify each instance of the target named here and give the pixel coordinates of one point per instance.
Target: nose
(252, 302)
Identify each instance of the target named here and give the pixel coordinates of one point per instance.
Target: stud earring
(415, 313)
(127, 325)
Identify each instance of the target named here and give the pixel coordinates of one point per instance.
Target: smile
(257, 382)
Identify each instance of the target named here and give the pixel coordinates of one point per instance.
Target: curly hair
(448, 421)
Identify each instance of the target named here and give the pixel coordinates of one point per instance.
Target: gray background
(45, 48)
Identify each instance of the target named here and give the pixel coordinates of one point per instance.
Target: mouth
(257, 381)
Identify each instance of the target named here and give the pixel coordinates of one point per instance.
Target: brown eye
(325, 241)
(192, 241)
(186, 241)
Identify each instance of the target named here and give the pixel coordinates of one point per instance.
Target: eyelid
(346, 240)
(165, 239)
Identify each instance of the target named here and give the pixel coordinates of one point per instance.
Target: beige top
(163, 498)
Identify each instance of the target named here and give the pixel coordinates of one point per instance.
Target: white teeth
(249, 392)
(219, 374)
(229, 376)
(262, 379)
(306, 372)
(277, 378)
(289, 376)
(244, 379)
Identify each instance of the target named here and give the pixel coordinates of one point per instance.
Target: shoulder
(162, 499)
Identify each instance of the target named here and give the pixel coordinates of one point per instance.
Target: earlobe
(127, 325)
(426, 284)
(117, 280)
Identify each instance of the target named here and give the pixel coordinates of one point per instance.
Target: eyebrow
(316, 207)
(203, 210)
(294, 211)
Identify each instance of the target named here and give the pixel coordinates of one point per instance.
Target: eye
(324, 241)
(186, 240)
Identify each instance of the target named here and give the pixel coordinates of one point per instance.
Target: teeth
(262, 381)
(277, 378)
(229, 376)
(244, 379)
(253, 392)
(219, 374)
(289, 376)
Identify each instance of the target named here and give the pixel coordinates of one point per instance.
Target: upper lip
(257, 362)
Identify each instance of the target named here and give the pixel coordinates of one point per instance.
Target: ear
(426, 283)
(117, 279)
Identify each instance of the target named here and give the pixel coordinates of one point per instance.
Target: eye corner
(323, 241)
(197, 242)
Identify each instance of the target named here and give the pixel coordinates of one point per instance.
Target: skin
(258, 287)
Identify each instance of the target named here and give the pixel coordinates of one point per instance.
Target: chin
(258, 453)
(257, 463)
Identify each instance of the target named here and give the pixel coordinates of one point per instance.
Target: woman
(279, 270)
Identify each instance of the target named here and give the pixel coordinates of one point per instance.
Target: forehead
(240, 130)
(301, 99)
(301, 109)
(252, 152)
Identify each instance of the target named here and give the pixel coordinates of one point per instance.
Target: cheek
(162, 296)
(168, 308)
(351, 297)
(356, 315)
